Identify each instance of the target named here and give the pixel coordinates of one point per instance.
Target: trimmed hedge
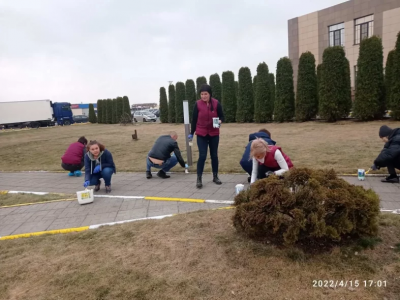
(229, 100)
(284, 101)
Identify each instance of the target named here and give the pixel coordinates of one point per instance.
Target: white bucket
(85, 197)
(239, 188)
(361, 174)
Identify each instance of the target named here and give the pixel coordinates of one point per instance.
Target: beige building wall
(308, 37)
(351, 49)
(391, 26)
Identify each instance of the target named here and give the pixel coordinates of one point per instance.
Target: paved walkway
(68, 214)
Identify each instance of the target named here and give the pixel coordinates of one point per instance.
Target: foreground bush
(312, 207)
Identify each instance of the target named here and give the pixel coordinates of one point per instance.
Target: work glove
(190, 137)
(86, 184)
(96, 169)
(374, 168)
(269, 173)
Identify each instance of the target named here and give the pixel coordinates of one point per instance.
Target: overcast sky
(84, 50)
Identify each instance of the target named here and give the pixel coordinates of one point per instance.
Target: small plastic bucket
(361, 174)
(85, 197)
(239, 188)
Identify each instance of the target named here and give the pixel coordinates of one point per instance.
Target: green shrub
(110, 111)
(395, 90)
(369, 102)
(199, 82)
(263, 106)
(216, 86)
(284, 101)
(307, 92)
(308, 207)
(190, 92)
(163, 106)
(389, 77)
(171, 104)
(99, 111)
(245, 103)
(179, 97)
(92, 114)
(229, 97)
(271, 80)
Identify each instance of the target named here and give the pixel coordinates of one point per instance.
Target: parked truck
(35, 114)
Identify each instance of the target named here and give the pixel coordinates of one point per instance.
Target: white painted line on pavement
(127, 221)
(219, 201)
(34, 193)
(123, 197)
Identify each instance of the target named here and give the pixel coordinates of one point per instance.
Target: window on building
(336, 35)
(363, 28)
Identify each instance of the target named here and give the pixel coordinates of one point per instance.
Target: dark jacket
(163, 147)
(391, 150)
(106, 161)
(202, 118)
(246, 162)
(74, 154)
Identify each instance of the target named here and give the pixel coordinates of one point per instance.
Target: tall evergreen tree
(104, 113)
(163, 106)
(307, 91)
(110, 110)
(395, 90)
(199, 82)
(369, 101)
(171, 104)
(190, 96)
(263, 107)
(245, 108)
(92, 114)
(180, 96)
(99, 111)
(115, 108)
(255, 90)
(335, 90)
(284, 101)
(389, 77)
(237, 91)
(120, 109)
(271, 80)
(319, 78)
(126, 106)
(216, 86)
(229, 100)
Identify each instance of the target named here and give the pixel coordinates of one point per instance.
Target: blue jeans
(166, 166)
(203, 143)
(106, 174)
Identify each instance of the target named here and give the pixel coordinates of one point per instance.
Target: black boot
(199, 184)
(162, 174)
(216, 179)
(148, 174)
(391, 179)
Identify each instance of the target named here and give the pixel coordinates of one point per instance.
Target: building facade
(345, 24)
(82, 109)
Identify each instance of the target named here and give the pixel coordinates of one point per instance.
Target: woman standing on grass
(72, 160)
(204, 112)
(98, 164)
(268, 160)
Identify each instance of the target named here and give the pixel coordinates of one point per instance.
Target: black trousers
(264, 169)
(72, 168)
(203, 143)
(393, 166)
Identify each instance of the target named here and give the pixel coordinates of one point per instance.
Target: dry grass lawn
(192, 256)
(344, 146)
(13, 199)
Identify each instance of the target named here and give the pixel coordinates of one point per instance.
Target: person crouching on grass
(72, 160)
(98, 164)
(267, 160)
(390, 154)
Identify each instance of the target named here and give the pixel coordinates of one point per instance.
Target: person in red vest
(73, 158)
(207, 118)
(268, 160)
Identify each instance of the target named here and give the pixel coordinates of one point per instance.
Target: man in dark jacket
(246, 162)
(390, 155)
(160, 157)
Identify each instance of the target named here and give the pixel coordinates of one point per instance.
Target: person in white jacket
(267, 160)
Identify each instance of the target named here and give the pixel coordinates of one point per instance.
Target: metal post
(187, 131)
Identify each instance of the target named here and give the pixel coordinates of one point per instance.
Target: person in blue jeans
(99, 163)
(160, 156)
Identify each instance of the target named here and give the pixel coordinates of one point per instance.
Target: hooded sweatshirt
(105, 160)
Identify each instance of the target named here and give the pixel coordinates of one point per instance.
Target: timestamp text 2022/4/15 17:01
(349, 283)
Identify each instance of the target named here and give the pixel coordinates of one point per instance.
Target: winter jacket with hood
(391, 150)
(105, 160)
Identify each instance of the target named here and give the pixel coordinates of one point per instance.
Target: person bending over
(72, 160)
(268, 160)
(390, 154)
(246, 164)
(160, 157)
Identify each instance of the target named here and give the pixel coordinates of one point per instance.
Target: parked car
(81, 119)
(156, 112)
(144, 116)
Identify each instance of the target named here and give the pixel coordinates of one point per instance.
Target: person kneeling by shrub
(268, 160)
(390, 155)
(99, 163)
